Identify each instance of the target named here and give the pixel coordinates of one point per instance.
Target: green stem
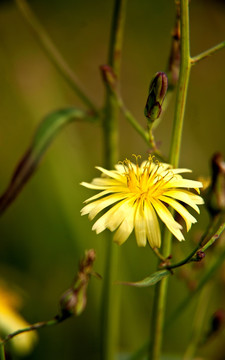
(2, 351)
(191, 256)
(33, 327)
(207, 53)
(110, 296)
(52, 52)
(214, 265)
(197, 326)
(181, 96)
(216, 262)
(131, 119)
(110, 306)
(161, 288)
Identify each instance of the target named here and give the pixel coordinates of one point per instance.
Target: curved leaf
(45, 133)
(150, 280)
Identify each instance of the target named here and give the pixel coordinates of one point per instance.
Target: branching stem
(207, 53)
(161, 288)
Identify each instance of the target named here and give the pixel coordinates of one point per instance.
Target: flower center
(139, 178)
(146, 180)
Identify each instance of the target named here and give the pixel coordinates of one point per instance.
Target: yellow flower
(135, 194)
(11, 320)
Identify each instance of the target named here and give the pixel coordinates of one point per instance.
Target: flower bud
(157, 92)
(68, 303)
(74, 300)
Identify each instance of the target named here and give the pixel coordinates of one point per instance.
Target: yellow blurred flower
(136, 194)
(11, 320)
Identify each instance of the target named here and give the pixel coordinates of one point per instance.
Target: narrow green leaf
(150, 280)
(46, 132)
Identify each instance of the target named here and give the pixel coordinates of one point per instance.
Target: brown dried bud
(200, 255)
(68, 303)
(218, 320)
(215, 197)
(74, 300)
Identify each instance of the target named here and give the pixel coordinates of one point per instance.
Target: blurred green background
(42, 234)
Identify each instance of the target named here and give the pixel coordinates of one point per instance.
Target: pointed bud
(215, 197)
(157, 92)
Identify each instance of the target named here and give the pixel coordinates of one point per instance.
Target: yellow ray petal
(186, 196)
(180, 171)
(93, 186)
(186, 183)
(168, 219)
(113, 217)
(152, 226)
(140, 225)
(110, 173)
(125, 228)
(101, 181)
(189, 219)
(95, 207)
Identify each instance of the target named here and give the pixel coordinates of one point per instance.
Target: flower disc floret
(134, 197)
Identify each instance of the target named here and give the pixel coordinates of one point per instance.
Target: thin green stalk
(207, 53)
(53, 53)
(183, 81)
(131, 119)
(110, 306)
(216, 262)
(214, 265)
(198, 319)
(110, 313)
(2, 352)
(191, 256)
(33, 327)
(161, 289)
